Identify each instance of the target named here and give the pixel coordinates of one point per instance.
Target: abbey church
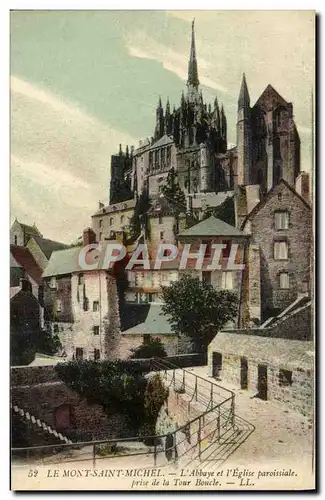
(192, 139)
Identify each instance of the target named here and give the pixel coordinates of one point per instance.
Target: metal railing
(190, 439)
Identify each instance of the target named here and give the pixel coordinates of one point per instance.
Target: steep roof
(154, 324)
(277, 352)
(270, 94)
(30, 230)
(67, 261)
(163, 141)
(269, 196)
(243, 99)
(48, 246)
(212, 227)
(24, 259)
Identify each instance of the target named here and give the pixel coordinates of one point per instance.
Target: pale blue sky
(84, 81)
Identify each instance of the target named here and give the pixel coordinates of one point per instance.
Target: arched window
(122, 219)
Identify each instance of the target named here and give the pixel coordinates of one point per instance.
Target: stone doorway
(216, 364)
(243, 373)
(262, 382)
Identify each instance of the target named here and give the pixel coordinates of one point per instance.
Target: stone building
(82, 305)
(275, 362)
(21, 233)
(112, 219)
(277, 263)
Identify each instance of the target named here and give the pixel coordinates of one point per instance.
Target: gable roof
(267, 94)
(48, 246)
(30, 230)
(163, 141)
(212, 227)
(269, 195)
(67, 261)
(24, 259)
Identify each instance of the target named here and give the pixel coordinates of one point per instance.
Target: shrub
(154, 349)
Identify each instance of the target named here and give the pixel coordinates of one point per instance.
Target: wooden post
(199, 438)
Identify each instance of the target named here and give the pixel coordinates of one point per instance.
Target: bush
(154, 349)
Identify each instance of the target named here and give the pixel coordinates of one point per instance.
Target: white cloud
(60, 161)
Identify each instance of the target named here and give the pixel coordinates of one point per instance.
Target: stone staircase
(40, 424)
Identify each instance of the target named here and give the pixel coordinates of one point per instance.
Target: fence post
(199, 438)
(184, 380)
(218, 423)
(233, 409)
(195, 388)
(175, 448)
(155, 453)
(94, 455)
(211, 396)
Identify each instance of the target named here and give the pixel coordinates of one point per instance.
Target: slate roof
(283, 353)
(211, 199)
(116, 207)
(67, 261)
(155, 323)
(30, 230)
(163, 141)
(24, 259)
(48, 246)
(212, 227)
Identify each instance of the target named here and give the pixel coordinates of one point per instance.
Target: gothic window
(100, 236)
(111, 221)
(96, 330)
(101, 223)
(95, 306)
(161, 235)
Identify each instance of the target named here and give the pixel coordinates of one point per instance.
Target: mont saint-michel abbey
(192, 139)
(185, 186)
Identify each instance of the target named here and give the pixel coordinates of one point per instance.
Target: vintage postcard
(162, 250)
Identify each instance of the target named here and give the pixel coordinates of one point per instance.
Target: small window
(227, 281)
(53, 282)
(281, 220)
(226, 251)
(96, 330)
(160, 219)
(285, 378)
(280, 251)
(59, 306)
(161, 235)
(208, 247)
(96, 354)
(100, 236)
(80, 279)
(111, 220)
(101, 223)
(95, 306)
(79, 353)
(284, 280)
(15, 238)
(206, 277)
(146, 339)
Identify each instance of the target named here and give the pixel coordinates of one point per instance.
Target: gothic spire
(193, 78)
(223, 124)
(243, 99)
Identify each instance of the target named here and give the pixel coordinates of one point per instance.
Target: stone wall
(39, 391)
(295, 326)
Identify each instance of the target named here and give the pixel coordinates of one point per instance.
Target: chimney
(25, 285)
(303, 185)
(88, 236)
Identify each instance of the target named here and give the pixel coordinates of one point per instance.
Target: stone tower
(244, 136)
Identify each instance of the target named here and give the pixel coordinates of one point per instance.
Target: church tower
(193, 76)
(244, 136)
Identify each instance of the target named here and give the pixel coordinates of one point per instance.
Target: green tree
(173, 191)
(154, 348)
(138, 218)
(225, 211)
(197, 310)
